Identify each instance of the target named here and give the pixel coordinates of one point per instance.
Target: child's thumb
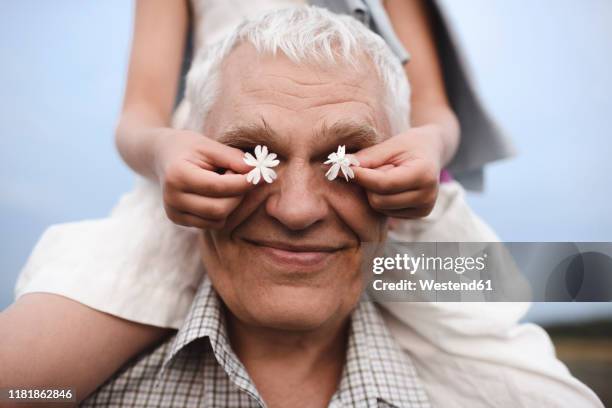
(229, 158)
(376, 155)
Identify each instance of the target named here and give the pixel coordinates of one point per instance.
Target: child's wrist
(159, 137)
(437, 142)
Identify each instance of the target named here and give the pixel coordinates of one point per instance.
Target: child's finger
(394, 180)
(211, 184)
(190, 220)
(405, 200)
(409, 213)
(384, 167)
(212, 209)
(376, 155)
(227, 157)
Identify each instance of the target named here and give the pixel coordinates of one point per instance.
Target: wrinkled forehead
(271, 100)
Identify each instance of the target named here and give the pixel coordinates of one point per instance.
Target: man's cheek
(249, 204)
(350, 202)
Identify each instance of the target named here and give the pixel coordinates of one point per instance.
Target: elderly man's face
(289, 255)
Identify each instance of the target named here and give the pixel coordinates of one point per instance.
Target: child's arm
(401, 174)
(51, 341)
(158, 44)
(183, 162)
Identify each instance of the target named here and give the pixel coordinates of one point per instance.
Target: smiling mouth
(306, 255)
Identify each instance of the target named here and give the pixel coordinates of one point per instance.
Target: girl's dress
(138, 265)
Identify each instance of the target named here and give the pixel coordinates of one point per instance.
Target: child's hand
(401, 174)
(195, 194)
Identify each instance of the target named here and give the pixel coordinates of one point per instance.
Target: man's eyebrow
(355, 136)
(246, 136)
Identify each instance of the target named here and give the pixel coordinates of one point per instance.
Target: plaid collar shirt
(198, 368)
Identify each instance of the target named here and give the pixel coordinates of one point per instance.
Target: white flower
(263, 161)
(341, 161)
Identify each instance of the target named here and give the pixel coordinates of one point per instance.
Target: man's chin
(300, 308)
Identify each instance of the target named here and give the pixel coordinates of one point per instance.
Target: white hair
(305, 34)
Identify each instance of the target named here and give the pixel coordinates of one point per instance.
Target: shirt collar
(376, 364)
(206, 319)
(375, 369)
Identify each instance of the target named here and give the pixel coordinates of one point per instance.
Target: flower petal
(268, 174)
(256, 175)
(344, 168)
(258, 152)
(333, 157)
(332, 173)
(352, 160)
(270, 161)
(341, 150)
(348, 172)
(249, 159)
(264, 152)
(250, 175)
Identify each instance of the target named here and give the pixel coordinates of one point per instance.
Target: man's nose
(298, 202)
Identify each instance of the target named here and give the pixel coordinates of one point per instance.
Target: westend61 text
(432, 285)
